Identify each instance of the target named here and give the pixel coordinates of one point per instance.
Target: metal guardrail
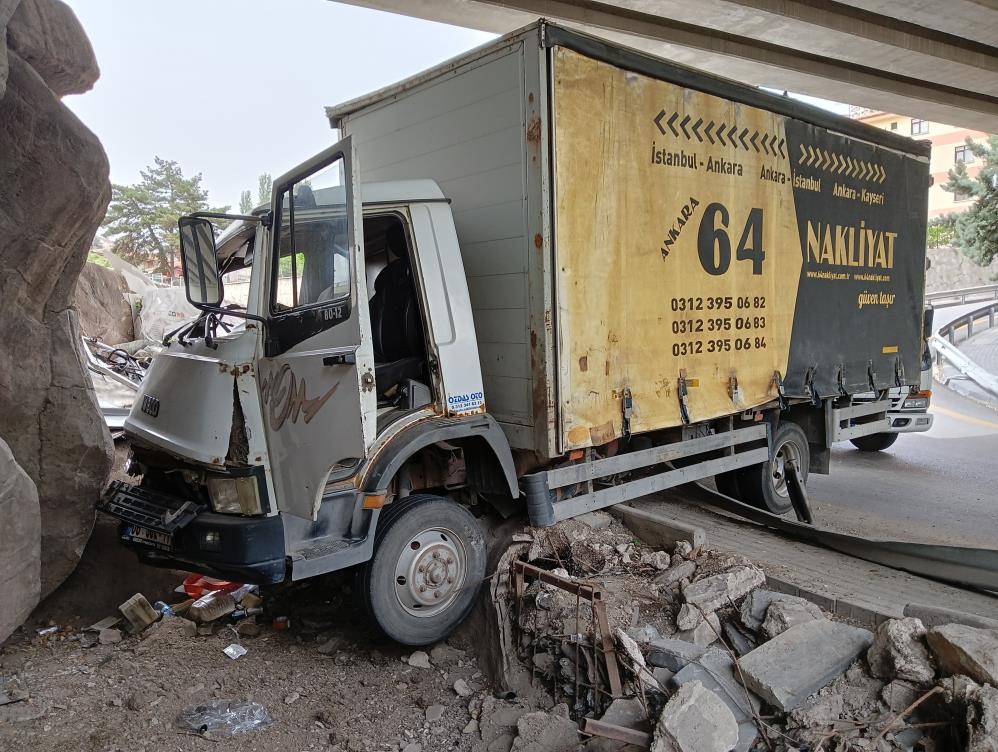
(963, 296)
(945, 340)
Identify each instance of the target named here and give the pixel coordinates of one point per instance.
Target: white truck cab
(289, 431)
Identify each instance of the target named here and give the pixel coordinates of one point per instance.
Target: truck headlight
(916, 403)
(235, 495)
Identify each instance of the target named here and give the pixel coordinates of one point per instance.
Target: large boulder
(55, 192)
(100, 300)
(19, 537)
(47, 36)
(7, 8)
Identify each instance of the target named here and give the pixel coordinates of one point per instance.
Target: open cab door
(317, 374)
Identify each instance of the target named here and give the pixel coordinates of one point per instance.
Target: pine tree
(142, 218)
(976, 231)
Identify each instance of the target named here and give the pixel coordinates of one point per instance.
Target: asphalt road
(935, 487)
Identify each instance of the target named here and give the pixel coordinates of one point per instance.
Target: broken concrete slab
(710, 593)
(899, 652)
(782, 615)
(716, 670)
(756, 603)
(659, 531)
(673, 655)
(684, 570)
(546, 732)
(695, 720)
(794, 665)
(934, 616)
(705, 633)
(959, 649)
(636, 658)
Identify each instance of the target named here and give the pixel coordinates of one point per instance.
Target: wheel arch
(487, 454)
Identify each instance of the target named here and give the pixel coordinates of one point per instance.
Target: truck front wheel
(429, 561)
(875, 442)
(765, 486)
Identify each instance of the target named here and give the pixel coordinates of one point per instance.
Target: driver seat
(399, 349)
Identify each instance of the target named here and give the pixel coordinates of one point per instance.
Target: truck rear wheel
(429, 561)
(875, 442)
(765, 486)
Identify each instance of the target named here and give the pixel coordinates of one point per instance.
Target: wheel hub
(430, 572)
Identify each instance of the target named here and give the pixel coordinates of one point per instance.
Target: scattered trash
(164, 609)
(227, 716)
(138, 612)
(47, 631)
(212, 605)
(235, 650)
(107, 622)
(196, 585)
(281, 623)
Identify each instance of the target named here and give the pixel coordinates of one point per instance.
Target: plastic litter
(164, 609)
(227, 716)
(235, 650)
(210, 606)
(196, 585)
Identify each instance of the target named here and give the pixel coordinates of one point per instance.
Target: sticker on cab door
(465, 403)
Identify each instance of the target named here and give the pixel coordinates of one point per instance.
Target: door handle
(343, 359)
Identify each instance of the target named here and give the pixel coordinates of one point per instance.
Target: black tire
(876, 442)
(764, 486)
(727, 484)
(443, 538)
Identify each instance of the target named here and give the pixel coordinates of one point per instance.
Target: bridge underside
(936, 61)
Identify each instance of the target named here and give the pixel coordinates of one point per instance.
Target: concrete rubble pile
(55, 191)
(711, 660)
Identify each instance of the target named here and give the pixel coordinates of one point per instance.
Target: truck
(543, 278)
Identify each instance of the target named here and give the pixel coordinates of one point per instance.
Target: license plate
(152, 537)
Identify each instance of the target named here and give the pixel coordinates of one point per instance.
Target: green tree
(245, 202)
(142, 218)
(941, 230)
(976, 230)
(265, 184)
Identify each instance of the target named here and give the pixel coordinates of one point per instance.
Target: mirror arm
(221, 215)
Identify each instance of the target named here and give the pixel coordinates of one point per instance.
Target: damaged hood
(189, 402)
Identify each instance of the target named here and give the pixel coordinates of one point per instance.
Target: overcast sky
(233, 88)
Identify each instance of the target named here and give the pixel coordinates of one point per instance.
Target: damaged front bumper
(168, 531)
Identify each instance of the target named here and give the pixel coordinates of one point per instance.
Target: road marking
(961, 416)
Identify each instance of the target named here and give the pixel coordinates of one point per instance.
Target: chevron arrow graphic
(658, 121)
(682, 124)
(696, 129)
(810, 155)
(765, 138)
(707, 129)
(732, 134)
(671, 126)
(755, 137)
(803, 155)
(782, 153)
(741, 138)
(720, 133)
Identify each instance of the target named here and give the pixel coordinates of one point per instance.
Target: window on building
(919, 127)
(894, 125)
(963, 154)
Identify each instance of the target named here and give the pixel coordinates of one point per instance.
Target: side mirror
(199, 261)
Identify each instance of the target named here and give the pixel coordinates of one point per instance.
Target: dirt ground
(358, 693)
(328, 683)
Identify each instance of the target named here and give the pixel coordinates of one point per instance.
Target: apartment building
(949, 146)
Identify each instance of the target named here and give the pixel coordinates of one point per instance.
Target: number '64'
(714, 244)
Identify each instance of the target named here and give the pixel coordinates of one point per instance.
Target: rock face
(100, 300)
(55, 178)
(19, 538)
(46, 35)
